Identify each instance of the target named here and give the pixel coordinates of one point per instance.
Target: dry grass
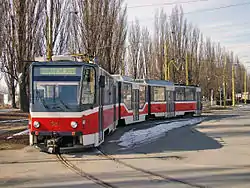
(11, 128)
(13, 115)
(16, 142)
(11, 146)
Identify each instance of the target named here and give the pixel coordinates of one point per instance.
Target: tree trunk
(13, 96)
(23, 97)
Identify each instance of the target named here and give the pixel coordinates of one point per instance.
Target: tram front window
(56, 96)
(63, 89)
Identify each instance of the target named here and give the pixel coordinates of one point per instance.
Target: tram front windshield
(61, 92)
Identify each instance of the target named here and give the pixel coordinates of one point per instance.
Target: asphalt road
(214, 153)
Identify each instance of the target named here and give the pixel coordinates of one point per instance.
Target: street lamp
(186, 67)
(224, 81)
(220, 90)
(245, 86)
(233, 83)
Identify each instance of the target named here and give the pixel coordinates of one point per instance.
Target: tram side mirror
(102, 81)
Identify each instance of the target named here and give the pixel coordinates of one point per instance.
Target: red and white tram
(76, 103)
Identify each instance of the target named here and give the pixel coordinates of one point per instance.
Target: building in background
(245, 95)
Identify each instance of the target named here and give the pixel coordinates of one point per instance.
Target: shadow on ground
(181, 139)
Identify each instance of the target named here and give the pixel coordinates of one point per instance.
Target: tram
(75, 103)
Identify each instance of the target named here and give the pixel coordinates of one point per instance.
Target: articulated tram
(75, 103)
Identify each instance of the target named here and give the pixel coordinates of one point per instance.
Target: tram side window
(142, 96)
(111, 94)
(158, 94)
(108, 90)
(189, 94)
(127, 93)
(180, 95)
(88, 86)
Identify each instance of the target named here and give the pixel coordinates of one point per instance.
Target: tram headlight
(36, 124)
(73, 124)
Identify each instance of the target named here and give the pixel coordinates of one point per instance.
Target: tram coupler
(53, 145)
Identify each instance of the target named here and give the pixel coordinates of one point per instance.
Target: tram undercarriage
(55, 142)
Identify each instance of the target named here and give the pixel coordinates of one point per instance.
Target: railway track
(98, 181)
(105, 156)
(153, 174)
(83, 174)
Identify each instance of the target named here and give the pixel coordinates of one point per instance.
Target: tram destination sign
(56, 71)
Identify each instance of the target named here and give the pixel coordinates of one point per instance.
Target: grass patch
(5, 116)
(17, 142)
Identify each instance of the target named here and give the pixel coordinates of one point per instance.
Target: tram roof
(147, 81)
(159, 82)
(56, 63)
(123, 78)
(184, 85)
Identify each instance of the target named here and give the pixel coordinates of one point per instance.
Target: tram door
(114, 103)
(100, 122)
(170, 103)
(198, 100)
(135, 104)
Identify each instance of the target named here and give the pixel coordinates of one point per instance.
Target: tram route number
(57, 71)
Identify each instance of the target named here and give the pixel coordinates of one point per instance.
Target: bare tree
(3, 11)
(23, 22)
(162, 44)
(194, 66)
(60, 17)
(9, 55)
(134, 48)
(178, 39)
(118, 43)
(99, 28)
(147, 50)
(102, 31)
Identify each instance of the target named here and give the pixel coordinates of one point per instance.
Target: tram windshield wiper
(42, 101)
(64, 105)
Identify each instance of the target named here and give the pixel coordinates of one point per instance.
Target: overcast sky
(230, 26)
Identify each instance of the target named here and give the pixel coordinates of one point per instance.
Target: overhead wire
(165, 4)
(199, 11)
(219, 8)
(226, 26)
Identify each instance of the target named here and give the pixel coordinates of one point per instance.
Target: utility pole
(212, 97)
(168, 65)
(50, 32)
(187, 80)
(220, 96)
(245, 86)
(166, 62)
(224, 83)
(168, 69)
(233, 93)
